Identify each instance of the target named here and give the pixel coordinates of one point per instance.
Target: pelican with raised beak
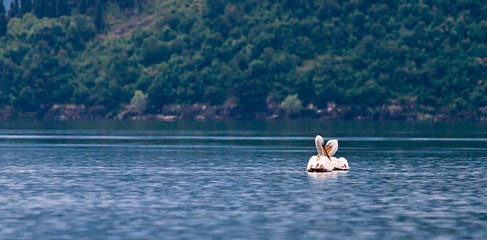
(331, 148)
(320, 162)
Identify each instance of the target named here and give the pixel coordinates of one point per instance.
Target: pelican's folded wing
(312, 161)
(340, 163)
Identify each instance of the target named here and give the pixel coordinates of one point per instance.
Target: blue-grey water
(241, 180)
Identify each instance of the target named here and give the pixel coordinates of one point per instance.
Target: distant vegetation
(292, 57)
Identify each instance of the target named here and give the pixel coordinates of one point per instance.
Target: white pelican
(320, 163)
(331, 148)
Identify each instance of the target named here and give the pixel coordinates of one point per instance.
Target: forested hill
(256, 58)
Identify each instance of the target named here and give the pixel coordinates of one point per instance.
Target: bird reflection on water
(322, 175)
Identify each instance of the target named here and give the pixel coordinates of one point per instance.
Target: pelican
(321, 162)
(331, 148)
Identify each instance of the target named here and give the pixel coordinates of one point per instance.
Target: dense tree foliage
(3, 20)
(429, 56)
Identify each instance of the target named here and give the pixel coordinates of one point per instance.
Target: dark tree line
(3, 20)
(41, 8)
(58, 8)
(425, 56)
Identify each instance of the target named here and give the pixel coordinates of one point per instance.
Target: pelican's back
(340, 163)
(321, 164)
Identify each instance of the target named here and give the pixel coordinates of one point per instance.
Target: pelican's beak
(326, 149)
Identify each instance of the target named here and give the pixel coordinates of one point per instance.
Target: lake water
(241, 180)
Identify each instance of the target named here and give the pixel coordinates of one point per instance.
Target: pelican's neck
(319, 148)
(334, 147)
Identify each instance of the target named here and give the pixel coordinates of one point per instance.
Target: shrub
(138, 103)
(292, 105)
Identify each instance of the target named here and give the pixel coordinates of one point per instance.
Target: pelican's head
(320, 146)
(319, 141)
(331, 147)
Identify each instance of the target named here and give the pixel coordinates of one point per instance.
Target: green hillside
(344, 59)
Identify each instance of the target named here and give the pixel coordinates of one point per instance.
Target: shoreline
(174, 112)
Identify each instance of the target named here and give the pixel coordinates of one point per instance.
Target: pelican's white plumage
(320, 163)
(338, 163)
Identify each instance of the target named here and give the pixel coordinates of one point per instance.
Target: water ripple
(254, 190)
(233, 138)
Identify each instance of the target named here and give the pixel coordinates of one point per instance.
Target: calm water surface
(220, 180)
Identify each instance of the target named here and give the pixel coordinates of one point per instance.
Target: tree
(292, 105)
(364, 56)
(3, 20)
(62, 8)
(125, 4)
(2, 8)
(99, 20)
(50, 10)
(138, 103)
(17, 8)
(14, 9)
(82, 6)
(154, 51)
(25, 6)
(39, 7)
